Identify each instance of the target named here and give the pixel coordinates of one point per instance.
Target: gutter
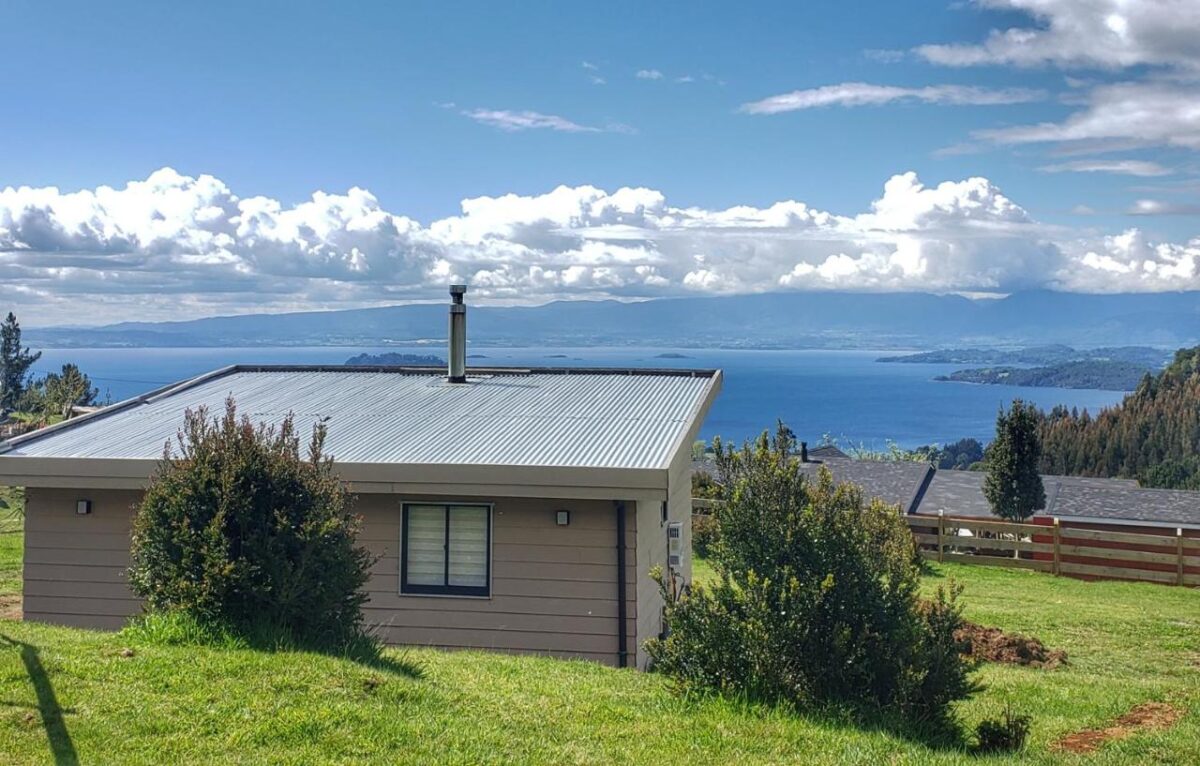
(622, 641)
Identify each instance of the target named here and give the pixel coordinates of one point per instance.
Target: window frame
(445, 589)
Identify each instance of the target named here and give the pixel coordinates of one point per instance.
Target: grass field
(11, 509)
(71, 696)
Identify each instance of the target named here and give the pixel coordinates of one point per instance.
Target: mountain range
(771, 320)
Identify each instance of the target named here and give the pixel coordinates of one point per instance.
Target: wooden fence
(1073, 549)
(1049, 545)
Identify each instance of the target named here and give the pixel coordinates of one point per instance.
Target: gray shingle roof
(895, 483)
(918, 488)
(960, 493)
(1122, 501)
(505, 417)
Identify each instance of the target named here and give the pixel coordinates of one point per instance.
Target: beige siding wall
(651, 552)
(554, 588)
(75, 565)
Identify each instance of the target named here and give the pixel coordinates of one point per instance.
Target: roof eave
(521, 480)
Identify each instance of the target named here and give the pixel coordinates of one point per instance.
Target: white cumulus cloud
(174, 245)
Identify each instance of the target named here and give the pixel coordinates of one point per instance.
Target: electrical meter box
(675, 545)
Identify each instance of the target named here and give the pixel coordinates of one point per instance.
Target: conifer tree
(14, 363)
(1013, 486)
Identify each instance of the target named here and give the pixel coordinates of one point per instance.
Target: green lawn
(11, 525)
(68, 695)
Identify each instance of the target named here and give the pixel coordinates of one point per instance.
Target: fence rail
(1052, 546)
(1060, 549)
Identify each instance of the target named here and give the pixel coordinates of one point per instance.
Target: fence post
(1057, 544)
(1179, 550)
(941, 524)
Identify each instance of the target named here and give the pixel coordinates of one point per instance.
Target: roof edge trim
(112, 409)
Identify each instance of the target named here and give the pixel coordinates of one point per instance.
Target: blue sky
(709, 106)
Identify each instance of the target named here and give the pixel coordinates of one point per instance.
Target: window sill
(446, 595)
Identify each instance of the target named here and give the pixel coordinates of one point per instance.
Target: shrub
(704, 485)
(1002, 735)
(241, 533)
(816, 603)
(704, 533)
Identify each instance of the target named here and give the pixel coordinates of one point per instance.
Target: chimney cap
(458, 289)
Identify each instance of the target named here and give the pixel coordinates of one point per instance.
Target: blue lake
(846, 394)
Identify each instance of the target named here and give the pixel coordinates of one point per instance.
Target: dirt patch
(994, 645)
(1148, 715)
(10, 606)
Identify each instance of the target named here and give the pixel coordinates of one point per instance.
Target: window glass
(468, 546)
(425, 557)
(447, 549)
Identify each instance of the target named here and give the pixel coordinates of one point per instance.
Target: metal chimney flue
(458, 335)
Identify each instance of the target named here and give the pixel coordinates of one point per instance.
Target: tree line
(1153, 435)
(48, 398)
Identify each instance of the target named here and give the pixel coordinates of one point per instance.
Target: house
(512, 509)
(900, 483)
(895, 482)
(1083, 501)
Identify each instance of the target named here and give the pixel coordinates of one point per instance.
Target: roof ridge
(682, 372)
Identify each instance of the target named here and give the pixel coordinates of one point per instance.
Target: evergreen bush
(242, 533)
(816, 603)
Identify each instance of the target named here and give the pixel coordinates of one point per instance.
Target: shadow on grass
(61, 745)
(931, 572)
(177, 629)
(944, 735)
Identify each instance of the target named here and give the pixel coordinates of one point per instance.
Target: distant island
(1104, 375)
(395, 360)
(671, 355)
(1144, 356)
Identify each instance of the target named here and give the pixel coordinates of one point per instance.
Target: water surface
(846, 394)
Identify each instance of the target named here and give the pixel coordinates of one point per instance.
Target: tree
(59, 392)
(817, 603)
(14, 363)
(240, 531)
(1013, 485)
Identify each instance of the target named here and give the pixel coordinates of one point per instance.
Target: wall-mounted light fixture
(83, 507)
(562, 518)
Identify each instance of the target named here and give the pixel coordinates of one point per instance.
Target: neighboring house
(898, 483)
(826, 452)
(901, 483)
(1080, 499)
(502, 502)
(920, 488)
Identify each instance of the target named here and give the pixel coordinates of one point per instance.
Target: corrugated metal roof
(549, 417)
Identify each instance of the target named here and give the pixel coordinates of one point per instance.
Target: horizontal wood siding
(75, 566)
(554, 588)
